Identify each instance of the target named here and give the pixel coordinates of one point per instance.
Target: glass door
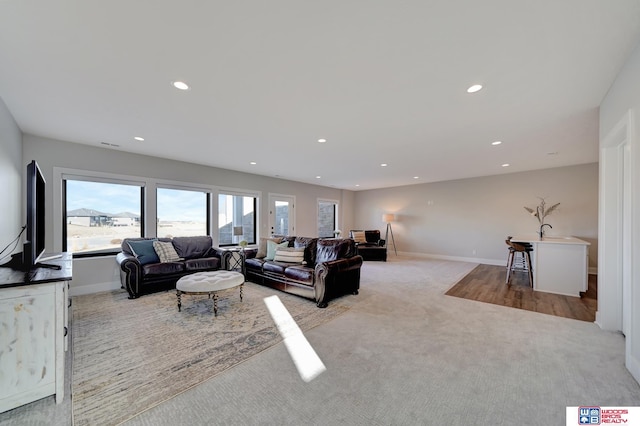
(281, 214)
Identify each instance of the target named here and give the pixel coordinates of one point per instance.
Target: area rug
(130, 355)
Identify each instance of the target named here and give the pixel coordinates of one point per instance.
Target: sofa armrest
(130, 273)
(250, 252)
(335, 277)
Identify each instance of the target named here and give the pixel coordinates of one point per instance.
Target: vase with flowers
(540, 212)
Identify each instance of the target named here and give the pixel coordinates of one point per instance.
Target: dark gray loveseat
(141, 274)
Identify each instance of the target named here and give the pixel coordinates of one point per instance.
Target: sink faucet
(542, 230)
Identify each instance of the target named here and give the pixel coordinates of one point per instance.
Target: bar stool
(524, 250)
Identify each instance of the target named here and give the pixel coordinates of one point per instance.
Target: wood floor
(486, 283)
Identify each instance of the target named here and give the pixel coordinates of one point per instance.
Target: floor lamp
(389, 217)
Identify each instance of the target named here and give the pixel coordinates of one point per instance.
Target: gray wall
(468, 219)
(11, 176)
(100, 273)
(447, 219)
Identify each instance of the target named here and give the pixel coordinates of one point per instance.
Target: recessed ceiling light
(475, 88)
(180, 85)
(383, 165)
(416, 177)
(322, 140)
(253, 163)
(506, 165)
(357, 184)
(318, 177)
(496, 143)
(138, 138)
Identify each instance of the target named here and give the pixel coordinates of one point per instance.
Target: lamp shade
(237, 230)
(388, 217)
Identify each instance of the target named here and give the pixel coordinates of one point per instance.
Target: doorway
(282, 218)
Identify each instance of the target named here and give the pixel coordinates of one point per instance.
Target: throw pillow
(358, 236)
(262, 246)
(166, 252)
(272, 247)
(144, 251)
(289, 255)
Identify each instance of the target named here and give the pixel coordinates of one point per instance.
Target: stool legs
(529, 268)
(526, 259)
(510, 265)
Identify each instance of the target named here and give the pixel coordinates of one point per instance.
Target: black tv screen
(34, 245)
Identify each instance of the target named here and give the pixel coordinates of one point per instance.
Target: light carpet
(406, 354)
(130, 355)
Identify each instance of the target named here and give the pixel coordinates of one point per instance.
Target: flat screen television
(34, 245)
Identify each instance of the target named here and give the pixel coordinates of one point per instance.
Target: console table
(33, 332)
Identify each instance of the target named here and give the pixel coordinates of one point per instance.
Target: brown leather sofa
(331, 268)
(140, 275)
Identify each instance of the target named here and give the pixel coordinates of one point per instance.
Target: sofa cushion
(300, 273)
(202, 263)
(262, 245)
(143, 250)
(275, 267)
(289, 255)
(272, 247)
(162, 268)
(310, 247)
(166, 252)
(332, 249)
(254, 264)
(192, 247)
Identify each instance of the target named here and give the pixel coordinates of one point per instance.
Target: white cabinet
(33, 333)
(560, 264)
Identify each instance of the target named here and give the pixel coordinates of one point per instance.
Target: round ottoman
(209, 283)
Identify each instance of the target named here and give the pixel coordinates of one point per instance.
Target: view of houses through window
(99, 215)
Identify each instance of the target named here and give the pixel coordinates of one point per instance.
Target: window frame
(148, 206)
(194, 188)
(62, 211)
(256, 212)
(336, 215)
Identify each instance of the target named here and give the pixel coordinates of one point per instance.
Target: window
(182, 213)
(98, 215)
(236, 211)
(327, 218)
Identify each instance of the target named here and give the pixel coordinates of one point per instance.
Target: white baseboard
(496, 262)
(92, 288)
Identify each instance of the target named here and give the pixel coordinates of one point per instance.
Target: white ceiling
(382, 81)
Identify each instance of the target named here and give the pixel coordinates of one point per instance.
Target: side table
(233, 259)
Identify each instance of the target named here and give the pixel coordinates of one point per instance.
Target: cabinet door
(27, 345)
